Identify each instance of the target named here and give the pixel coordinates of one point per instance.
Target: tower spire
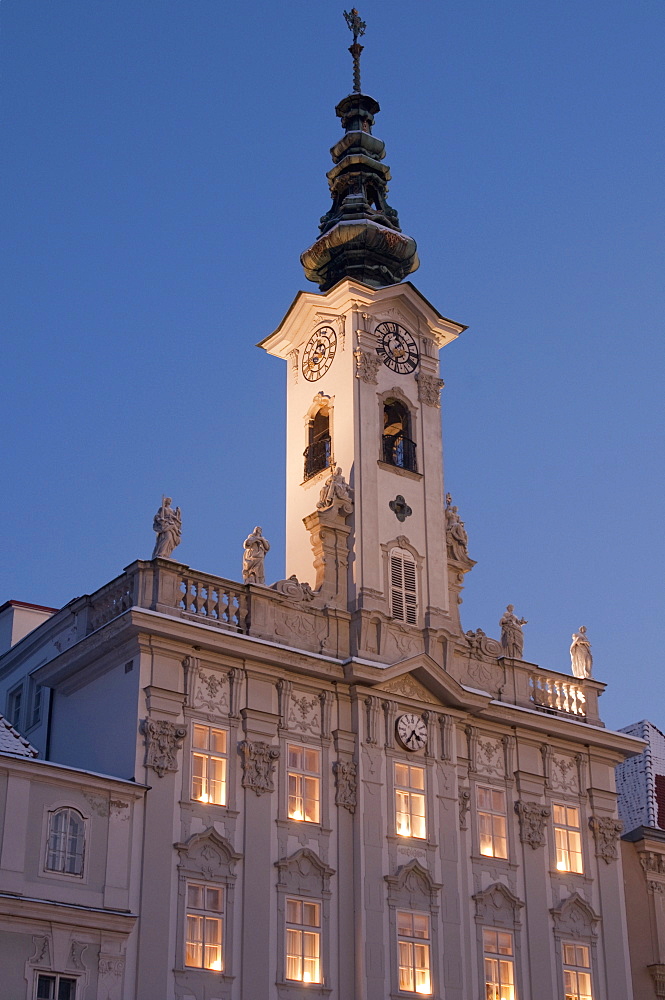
(360, 234)
(358, 28)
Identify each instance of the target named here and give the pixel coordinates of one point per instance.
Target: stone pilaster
(329, 535)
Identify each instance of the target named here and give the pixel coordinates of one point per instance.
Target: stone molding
(163, 739)
(412, 885)
(258, 765)
(606, 832)
(574, 918)
(464, 800)
(497, 906)
(532, 817)
(346, 784)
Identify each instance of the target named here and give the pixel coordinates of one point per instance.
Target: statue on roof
(456, 536)
(512, 638)
(255, 546)
(168, 525)
(581, 660)
(336, 488)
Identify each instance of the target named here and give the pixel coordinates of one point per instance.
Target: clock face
(319, 353)
(411, 731)
(397, 348)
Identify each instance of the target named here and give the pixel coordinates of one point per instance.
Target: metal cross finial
(358, 28)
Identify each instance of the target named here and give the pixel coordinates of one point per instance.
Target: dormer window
(319, 445)
(398, 447)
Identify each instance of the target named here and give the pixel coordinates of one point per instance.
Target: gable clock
(411, 731)
(397, 348)
(319, 353)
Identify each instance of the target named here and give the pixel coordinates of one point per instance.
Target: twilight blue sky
(163, 168)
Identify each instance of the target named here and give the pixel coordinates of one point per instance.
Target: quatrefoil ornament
(400, 508)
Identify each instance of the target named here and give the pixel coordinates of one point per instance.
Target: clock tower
(363, 411)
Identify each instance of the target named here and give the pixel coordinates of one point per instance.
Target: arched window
(318, 450)
(398, 447)
(66, 842)
(403, 589)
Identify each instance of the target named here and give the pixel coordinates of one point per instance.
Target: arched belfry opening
(398, 446)
(319, 442)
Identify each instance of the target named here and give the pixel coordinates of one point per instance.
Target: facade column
(258, 757)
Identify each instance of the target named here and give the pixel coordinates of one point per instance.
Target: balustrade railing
(317, 457)
(400, 451)
(218, 601)
(111, 601)
(557, 695)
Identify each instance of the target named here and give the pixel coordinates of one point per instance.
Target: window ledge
(304, 989)
(504, 863)
(409, 475)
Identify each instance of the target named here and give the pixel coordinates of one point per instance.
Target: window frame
(301, 928)
(13, 715)
(401, 788)
(576, 970)
(51, 813)
(207, 755)
(498, 958)
(407, 610)
(566, 830)
(56, 977)
(305, 774)
(492, 813)
(413, 941)
(207, 915)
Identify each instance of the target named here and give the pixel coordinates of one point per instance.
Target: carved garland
(346, 784)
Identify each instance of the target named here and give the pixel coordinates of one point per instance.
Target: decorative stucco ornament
(163, 739)
(258, 765)
(294, 589)
(345, 784)
(336, 489)
(532, 817)
(606, 832)
(168, 525)
(400, 508)
(255, 546)
(581, 660)
(512, 638)
(429, 389)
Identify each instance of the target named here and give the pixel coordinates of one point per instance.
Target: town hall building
(320, 787)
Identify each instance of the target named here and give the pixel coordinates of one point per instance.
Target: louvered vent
(403, 591)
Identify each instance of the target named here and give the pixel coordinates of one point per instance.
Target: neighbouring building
(641, 788)
(324, 787)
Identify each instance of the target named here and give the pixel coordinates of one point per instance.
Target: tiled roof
(13, 742)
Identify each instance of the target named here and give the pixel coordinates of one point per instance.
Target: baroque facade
(342, 793)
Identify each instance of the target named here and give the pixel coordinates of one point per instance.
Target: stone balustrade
(550, 691)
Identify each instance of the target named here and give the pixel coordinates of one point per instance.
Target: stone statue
(456, 536)
(581, 659)
(512, 639)
(168, 525)
(256, 547)
(336, 488)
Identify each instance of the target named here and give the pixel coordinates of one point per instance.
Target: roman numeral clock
(397, 348)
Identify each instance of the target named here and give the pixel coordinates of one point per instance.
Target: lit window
(304, 783)
(66, 842)
(491, 804)
(410, 801)
(413, 943)
(209, 748)
(577, 972)
(203, 939)
(53, 987)
(403, 592)
(567, 838)
(303, 941)
(499, 965)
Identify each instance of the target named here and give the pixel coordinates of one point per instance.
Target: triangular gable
(427, 673)
(407, 686)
